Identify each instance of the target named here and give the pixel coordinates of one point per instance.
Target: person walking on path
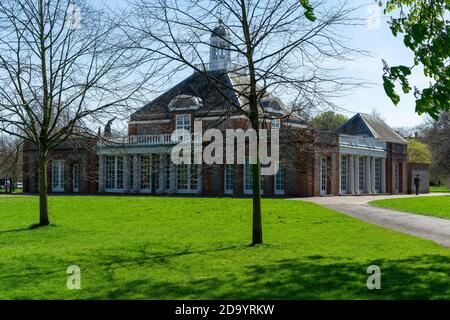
(417, 184)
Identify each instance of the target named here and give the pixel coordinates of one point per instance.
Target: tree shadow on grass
(35, 226)
(422, 277)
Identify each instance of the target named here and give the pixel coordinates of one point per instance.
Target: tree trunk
(43, 196)
(257, 212)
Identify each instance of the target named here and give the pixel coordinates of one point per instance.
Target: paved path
(431, 228)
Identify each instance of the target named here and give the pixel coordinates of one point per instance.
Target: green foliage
(425, 28)
(439, 189)
(428, 206)
(193, 248)
(418, 152)
(309, 10)
(328, 120)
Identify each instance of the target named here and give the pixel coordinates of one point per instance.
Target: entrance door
(323, 176)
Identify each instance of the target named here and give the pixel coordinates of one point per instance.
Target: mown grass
(439, 189)
(429, 206)
(193, 248)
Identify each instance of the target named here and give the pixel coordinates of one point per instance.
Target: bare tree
(10, 160)
(279, 47)
(62, 65)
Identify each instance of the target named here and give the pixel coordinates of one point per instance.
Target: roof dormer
(185, 102)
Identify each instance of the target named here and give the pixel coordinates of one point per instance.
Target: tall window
(323, 175)
(76, 178)
(229, 179)
(58, 176)
(146, 173)
(279, 180)
(131, 166)
(187, 177)
(110, 166)
(248, 178)
(362, 171)
(343, 174)
(156, 169)
(182, 177)
(119, 170)
(183, 122)
(167, 173)
(378, 175)
(114, 173)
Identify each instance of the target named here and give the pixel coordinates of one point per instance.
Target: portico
(142, 164)
(362, 165)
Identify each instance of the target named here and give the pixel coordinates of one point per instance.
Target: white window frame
(344, 174)
(157, 173)
(186, 122)
(278, 178)
(276, 123)
(362, 174)
(192, 170)
(228, 179)
(248, 178)
(76, 177)
(323, 176)
(58, 176)
(168, 174)
(182, 122)
(147, 160)
(115, 174)
(378, 175)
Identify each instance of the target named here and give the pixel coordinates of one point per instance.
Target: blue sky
(375, 37)
(382, 45)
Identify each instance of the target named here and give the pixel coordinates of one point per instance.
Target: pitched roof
(370, 126)
(213, 102)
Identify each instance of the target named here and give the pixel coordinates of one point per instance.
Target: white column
(383, 175)
(136, 175)
(368, 188)
(356, 174)
(126, 174)
(101, 173)
(373, 177)
(350, 175)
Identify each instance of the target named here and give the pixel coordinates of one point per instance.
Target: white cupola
(220, 55)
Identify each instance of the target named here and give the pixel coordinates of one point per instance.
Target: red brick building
(364, 156)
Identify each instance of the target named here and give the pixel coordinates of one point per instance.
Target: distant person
(417, 184)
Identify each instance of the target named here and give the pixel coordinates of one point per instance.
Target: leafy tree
(328, 120)
(437, 139)
(425, 28)
(418, 152)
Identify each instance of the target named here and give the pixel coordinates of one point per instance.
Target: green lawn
(175, 248)
(429, 206)
(439, 189)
